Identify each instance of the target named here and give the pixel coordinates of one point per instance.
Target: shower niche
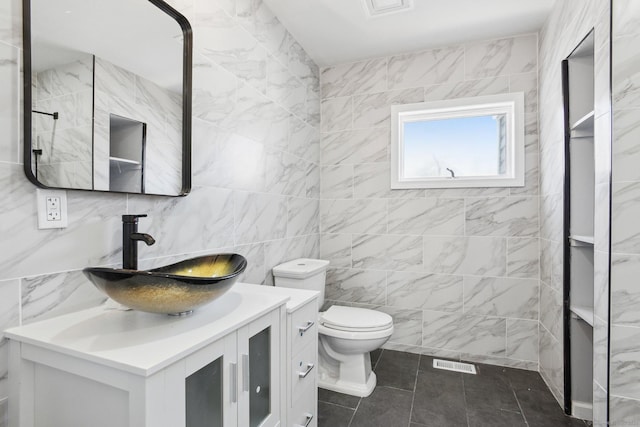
(579, 189)
(127, 141)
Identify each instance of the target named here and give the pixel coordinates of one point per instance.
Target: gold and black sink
(174, 289)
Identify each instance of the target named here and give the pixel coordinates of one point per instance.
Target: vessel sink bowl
(174, 289)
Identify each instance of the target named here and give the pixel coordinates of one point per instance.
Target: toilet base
(353, 389)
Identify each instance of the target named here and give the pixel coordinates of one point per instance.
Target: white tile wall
(66, 147)
(4, 412)
(421, 69)
(458, 269)
(625, 241)
(121, 92)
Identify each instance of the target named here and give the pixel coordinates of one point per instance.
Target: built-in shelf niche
(583, 127)
(583, 313)
(578, 77)
(127, 140)
(578, 240)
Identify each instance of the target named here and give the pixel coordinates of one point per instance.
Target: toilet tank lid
(300, 268)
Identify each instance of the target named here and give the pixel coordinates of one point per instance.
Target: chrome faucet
(130, 238)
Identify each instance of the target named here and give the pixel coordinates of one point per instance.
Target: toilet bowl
(346, 334)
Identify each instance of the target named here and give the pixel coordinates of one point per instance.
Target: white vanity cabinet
(302, 349)
(301, 391)
(220, 366)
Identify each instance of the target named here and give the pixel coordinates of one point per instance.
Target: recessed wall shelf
(121, 160)
(577, 240)
(583, 127)
(127, 144)
(583, 313)
(579, 202)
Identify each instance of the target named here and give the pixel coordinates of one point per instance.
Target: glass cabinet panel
(260, 377)
(204, 396)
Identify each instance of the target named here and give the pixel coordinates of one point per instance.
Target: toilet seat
(355, 336)
(352, 319)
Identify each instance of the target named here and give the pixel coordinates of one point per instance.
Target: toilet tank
(303, 273)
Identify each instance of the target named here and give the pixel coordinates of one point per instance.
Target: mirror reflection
(109, 98)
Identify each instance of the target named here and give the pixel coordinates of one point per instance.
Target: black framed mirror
(107, 96)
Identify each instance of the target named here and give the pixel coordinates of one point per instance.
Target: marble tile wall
(125, 94)
(625, 250)
(458, 269)
(567, 25)
(4, 412)
(256, 155)
(66, 142)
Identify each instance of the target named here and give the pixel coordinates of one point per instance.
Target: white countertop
(297, 297)
(144, 343)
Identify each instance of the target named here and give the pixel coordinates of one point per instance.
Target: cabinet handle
(233, 372)
(309, 417)
(305, 373)
(245, 372)
(305, 328)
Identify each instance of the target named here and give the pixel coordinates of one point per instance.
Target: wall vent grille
(448, 365)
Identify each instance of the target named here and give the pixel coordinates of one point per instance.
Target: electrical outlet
(52, 208)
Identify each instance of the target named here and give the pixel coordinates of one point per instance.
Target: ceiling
(339, 31)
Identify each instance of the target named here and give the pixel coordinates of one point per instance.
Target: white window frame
(511, 105)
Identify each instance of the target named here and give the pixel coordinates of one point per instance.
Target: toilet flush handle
(305, 328)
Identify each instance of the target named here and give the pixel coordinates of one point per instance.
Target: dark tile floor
(410, 393)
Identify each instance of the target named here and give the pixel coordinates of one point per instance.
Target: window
(467, 142)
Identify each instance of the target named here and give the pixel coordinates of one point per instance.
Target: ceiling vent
(384, 7)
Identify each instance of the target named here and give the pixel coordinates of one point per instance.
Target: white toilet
(347, 334)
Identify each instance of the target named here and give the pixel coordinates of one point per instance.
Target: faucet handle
(132, 219)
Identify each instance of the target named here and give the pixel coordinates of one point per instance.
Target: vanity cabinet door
(204, 396)
(211, 385)
(235, 381)
(259, 354)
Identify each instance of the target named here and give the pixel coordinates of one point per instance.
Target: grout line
(336, 404)
(511, 411)
(354, 412)
(519, 406)
(415, 386)
(464, 397)
(394, 388)
(360, 401)
(378, 360)
(20, 303)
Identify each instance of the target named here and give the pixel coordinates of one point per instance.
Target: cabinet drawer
(304, 371)
(305, 410)
(304, 326)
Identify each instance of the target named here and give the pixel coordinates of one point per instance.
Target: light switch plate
(52, 208)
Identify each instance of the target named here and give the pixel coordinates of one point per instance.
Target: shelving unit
(583, 127)
(578, 85)
(577, 240)
(124, 161)
(583, 313)
(127, 141)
